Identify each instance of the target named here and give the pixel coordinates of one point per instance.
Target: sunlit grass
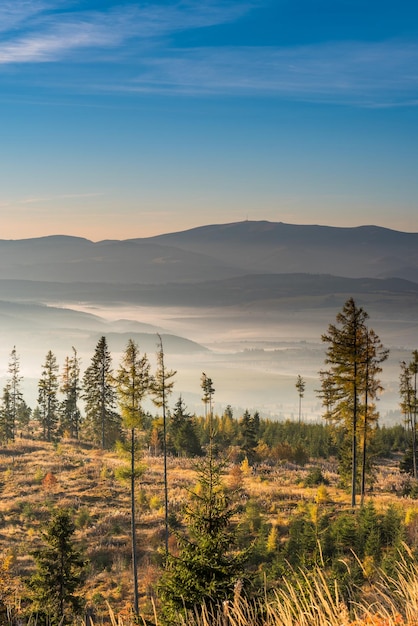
(313, 601)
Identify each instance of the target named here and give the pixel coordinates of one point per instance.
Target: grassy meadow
(37, 477)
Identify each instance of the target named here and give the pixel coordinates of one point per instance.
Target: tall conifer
(348, 385)
(133, 383)
(47, 397)
(102, 422)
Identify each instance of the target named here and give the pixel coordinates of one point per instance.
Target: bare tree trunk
(133, 526)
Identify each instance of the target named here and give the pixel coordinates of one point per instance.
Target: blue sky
(127, 119)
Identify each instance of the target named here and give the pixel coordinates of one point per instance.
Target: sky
(131, 119)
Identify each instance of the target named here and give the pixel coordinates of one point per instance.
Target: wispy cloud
(34, 200)
(15, 14)
(62, 196)
(357, 73)
(33, 33)
(140, 37)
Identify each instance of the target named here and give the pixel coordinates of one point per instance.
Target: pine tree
(354, 355)
(182, 431)
(70, 416)
(102, 422)
(162, 387)
(133, 383)
(12, 408)
(209, 566)
(59, 573)
(47, 397)
(208, 389)
(409, 405)
(300, 386)
(228, 428)
(15, 393)
(375, 354)
(6, 417)
(24, 413)
(248, 436)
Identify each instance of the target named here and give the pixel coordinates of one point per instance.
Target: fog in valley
(252, 356)
(246, 303)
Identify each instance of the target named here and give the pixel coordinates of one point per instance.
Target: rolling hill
(218, 251)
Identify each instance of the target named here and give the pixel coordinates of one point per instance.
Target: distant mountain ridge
(236, 291)
(213, 252)
(276, 247)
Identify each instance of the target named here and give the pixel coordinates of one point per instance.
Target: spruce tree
(102, 422)
(248, 436)
(24, 413)
(409, 407)
(13, 410)
(182, 431)
(375, 354)
(208, 566)
(59, 573)
(70, 415)
(6, 417)
(15, 393)
(47, 397)
(353, 355)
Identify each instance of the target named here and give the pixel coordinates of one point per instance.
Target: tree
(409, 403)
(206, 384)
(47, 397)
(208, 390)
(71, 388)
(353, 355)
(248, 436)
(162, 386)
(208, 566)
(9, 590)
(59, 572)
(228, 428)
(102, 422)
(15, 393)
(182, 431)
(133, 383)
(300, 386)
(24, 413)
(375, 354)
(11, 411)
(6, 417)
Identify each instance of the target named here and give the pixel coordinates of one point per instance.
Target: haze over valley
(245, 302)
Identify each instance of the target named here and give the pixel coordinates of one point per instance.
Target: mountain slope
(214, 252)
(68, 259)
(277, 247)
(250, 289)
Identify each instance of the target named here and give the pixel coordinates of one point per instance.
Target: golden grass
(311, 602)
(86, 482)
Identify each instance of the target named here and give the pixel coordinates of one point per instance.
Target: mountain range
(213, 252)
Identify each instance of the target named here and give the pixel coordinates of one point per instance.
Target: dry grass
(84, 479)
(312, 602)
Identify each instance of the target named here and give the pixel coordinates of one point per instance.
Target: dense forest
(208, 508)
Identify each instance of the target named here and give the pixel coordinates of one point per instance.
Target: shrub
(315, 477)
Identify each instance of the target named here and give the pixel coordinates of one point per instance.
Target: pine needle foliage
(208, 566)
(59, 573)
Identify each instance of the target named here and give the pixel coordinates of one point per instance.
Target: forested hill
(284, 290)
(216, 251)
